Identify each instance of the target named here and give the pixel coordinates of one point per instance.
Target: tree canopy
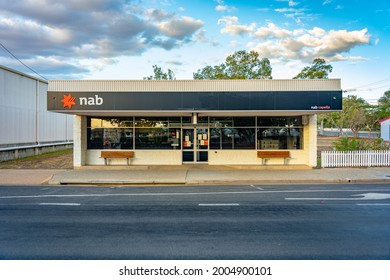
(318, 70)
(384, 105)
(239, 65)
(159, 74)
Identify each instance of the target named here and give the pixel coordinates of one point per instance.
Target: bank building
(176, 122)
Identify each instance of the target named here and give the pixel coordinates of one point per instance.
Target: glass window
(94, 122)
(225, 132)
(232, 138)
(186, 120)
(117, 122)
(118, 133)
(110, 138)
(244, 138)
(203, 119)
(110, 122)
(151, 122)
(95, 138)
(221, 121)
(279, 121)
(275, 133)
(157, 121)
(227, 138)
(244, 121)
(157, 138)
(232, 121)
(215, 138)
(275, 138)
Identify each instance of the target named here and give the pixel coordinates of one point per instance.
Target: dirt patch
(55, 160)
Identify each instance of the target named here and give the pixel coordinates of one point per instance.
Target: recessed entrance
(195, 145)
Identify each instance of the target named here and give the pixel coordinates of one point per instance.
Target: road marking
(182, 193)
(373, 204)
(59, 204)
(258, 188)
(364, 196)
(218, 204)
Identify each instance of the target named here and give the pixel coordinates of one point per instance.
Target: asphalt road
(203, 222)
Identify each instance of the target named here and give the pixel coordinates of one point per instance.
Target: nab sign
(69, 101)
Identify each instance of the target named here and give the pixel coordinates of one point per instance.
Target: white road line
(258, 188)
(318, 198)
(363, 196)
(373, 204)
(218, 204)
(59, 204)
(182, 194)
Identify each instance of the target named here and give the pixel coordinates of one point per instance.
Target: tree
(354, 114)
(384, 105)
(373, 115)
(239, 65)
(319, 70)
(159, 74)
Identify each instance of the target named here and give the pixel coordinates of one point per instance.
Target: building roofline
(22, 74)
(193, 85)
(385, 119)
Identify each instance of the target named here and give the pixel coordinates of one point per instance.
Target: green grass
(41, 156)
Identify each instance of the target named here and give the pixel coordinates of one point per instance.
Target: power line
(374, 83)
(366, 89)
(22, 62)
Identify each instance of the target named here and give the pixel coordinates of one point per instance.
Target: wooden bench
(117, 154)
(264, 155)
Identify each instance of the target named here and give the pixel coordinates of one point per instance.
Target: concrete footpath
(189, 175)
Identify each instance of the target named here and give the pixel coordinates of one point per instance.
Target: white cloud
(271, 30)
(291, 3)
(100, 30)
(306, 45)
(297, 15)
(233, 27)
(180, 27)
(222, 7)
(300, 44)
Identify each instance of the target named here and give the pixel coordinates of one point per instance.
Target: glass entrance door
(195, 145)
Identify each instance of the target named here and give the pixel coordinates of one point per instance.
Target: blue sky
(122, 39)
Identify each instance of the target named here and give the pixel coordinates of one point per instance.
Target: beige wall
(141, 157)
(305, 156)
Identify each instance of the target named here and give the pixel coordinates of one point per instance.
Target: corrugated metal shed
(23, 112)
(192, 85)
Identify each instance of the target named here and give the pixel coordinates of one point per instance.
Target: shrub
(352, 144)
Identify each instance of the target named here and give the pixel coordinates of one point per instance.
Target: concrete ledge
(97, 177)
(193, 175)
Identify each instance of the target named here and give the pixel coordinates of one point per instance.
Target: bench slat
(117, 154)
(264, 155)
(273, 154)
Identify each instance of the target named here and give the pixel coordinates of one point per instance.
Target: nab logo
(69, 100)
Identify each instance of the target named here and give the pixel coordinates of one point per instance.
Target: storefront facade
(195, 122)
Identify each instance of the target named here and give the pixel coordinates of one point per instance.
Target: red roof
(385, 119)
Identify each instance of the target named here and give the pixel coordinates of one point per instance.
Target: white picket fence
(355, 158)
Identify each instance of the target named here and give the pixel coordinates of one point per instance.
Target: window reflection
(279, 138)
(230, 133)
(110, 138)
(157, 138)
